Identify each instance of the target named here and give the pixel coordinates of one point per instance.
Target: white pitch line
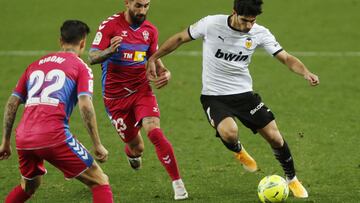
(23, 52)
(198, 53)
(296, 53)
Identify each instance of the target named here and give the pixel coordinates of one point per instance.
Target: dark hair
(73, 31)
(248, 7)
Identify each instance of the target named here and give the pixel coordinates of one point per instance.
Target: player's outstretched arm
(295, 65)
(98, 56)
(9, 119)
(88, 115)
(169, 45)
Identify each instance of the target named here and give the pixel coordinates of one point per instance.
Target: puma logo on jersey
(230, 56)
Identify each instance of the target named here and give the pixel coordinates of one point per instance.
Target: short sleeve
(102, 36)
(21, 87)
(198, 29)
(85, 83)
(270, 44)
(154, 42)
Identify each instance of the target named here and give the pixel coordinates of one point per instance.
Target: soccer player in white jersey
(228, 45)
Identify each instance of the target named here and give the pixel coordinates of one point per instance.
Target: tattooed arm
(98, 56)
(88, 115)
(9, 119)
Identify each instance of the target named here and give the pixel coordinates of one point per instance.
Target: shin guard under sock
(165, 152)
(283, 155)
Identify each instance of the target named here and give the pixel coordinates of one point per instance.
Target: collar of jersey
(229, 25)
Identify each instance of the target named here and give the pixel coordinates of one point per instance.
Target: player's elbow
(291, 61)
(91, 59)
(182, 37)
(85, 103)
(87, 113)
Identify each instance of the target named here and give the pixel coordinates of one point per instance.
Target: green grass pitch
(320, 124)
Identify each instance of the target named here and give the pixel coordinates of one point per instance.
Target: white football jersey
(227, 54)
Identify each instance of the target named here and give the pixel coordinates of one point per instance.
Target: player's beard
(137, 19)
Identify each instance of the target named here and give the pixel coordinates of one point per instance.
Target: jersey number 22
(37, 80)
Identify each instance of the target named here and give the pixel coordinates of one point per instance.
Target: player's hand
(101, 154)
(312, 78)
(115, 43)
(5, 151)
(151, 70)
(163, 78)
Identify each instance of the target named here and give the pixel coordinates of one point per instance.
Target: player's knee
(148, 128)
(150, 123)
(229, 134)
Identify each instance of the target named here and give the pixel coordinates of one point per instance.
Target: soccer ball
(273, 188)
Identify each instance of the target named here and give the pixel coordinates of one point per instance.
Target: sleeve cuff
(278, 51)
(94, 49)
(19, 96)
(190, 34)
(85, 93)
